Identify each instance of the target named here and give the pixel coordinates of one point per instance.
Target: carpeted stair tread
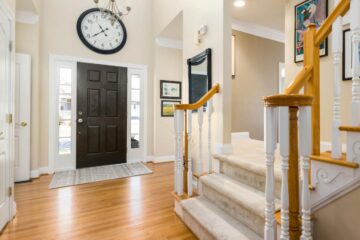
(216, 222)
(251, 163)
(239, 193)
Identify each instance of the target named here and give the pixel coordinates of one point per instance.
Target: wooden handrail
(301, 79)
(215, 89)
(288, 100)
(324, 31)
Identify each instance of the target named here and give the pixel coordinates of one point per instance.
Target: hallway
(132, 208)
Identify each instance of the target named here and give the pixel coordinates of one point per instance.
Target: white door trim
(6, 10)
(53, 59)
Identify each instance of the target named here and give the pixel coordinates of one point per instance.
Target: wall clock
(101, 32)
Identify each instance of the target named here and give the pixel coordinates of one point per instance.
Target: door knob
(1, 133)
(80, 120)
(23, 124)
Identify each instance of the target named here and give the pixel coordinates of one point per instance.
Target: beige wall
(168, 66)
(57, 35)
(257, 75)
(326, 72)
(339, 220)
(164, 12)
(216, 14)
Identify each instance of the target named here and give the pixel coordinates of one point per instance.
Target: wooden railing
(291, 145)
(183, 127)
(303, 140)
(309, 77)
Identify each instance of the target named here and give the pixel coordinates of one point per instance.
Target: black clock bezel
(91, 47)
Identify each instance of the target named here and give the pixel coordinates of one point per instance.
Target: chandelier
(113, 9)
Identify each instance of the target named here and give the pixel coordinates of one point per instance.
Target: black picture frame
(197, 60)
(88, 45)
(326, 40)
(162, 94)
(344, 77)
(162, 107)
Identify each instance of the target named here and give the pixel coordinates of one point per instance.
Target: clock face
(101, 34)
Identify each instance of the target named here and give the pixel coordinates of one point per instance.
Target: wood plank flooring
(133, 208)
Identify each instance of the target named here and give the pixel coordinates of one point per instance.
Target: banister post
(312, 58)
(294, 209)
(355, 29)
(337, 53)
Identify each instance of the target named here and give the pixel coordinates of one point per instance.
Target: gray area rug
(97, 174)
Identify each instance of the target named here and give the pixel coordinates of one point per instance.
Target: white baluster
(304, 151)
(355, 29)
(337, 51)
(176, 113)
(190, 173)
(284, 152)
(200, 122)
(180, 152)
(209, 111)
(270, 146)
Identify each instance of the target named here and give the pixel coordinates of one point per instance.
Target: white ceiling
(267, 13)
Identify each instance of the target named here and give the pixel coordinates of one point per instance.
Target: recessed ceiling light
(239, 3)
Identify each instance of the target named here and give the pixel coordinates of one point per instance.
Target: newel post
(312, 58)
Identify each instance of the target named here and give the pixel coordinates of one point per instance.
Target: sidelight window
(65, 99)
(135, 81)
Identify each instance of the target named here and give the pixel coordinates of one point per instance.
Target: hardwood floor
(132, 208)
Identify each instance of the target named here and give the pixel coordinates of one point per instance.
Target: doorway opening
(97, 113)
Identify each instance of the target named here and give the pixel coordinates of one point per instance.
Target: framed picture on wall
(170, 89)
(310, 11)
(168, 108)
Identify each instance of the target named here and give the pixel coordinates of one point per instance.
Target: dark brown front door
(101, 115)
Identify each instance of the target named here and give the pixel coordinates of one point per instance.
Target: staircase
(270, 190)
(231, 202)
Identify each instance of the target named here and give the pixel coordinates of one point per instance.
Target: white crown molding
(26, 17)
(169, 43)
(258, 30)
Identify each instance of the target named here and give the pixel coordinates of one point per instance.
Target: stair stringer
(331, 182)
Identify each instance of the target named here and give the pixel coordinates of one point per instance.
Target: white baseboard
(161, 159)
(40, 171)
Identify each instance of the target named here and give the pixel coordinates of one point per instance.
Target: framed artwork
(310, 11)
(168, 108)
(170, 89)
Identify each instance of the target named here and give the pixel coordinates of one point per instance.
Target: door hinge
(11, 46)
(9, 118)
(10, 192)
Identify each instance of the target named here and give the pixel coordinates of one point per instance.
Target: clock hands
(102, 31)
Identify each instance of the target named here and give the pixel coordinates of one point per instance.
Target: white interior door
(22, 117)
(5, 76)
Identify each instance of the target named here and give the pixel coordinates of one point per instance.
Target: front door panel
(101, 115)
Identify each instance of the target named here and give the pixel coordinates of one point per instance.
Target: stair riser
(245, 216)
(247, 177)
(196, 227)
